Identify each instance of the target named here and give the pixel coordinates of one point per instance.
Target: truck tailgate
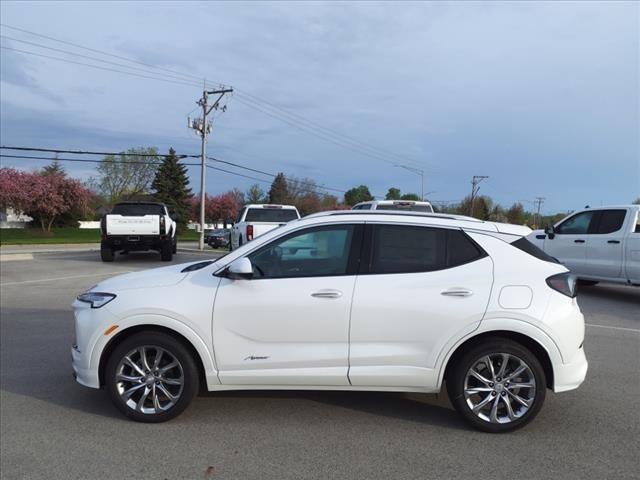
(126, 225)
(260, 228)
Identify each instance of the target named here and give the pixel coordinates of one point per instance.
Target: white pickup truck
(256, 219)
(137, 226)
(596, 244)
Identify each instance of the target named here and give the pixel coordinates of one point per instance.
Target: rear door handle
(327, 294)
(578, 241)
(613, 241)
(457, 292)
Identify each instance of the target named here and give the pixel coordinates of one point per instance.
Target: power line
(88, 152)
(95, 66)
(88, 160)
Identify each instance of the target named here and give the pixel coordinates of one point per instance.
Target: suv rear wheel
(497, 386)
(151, 377)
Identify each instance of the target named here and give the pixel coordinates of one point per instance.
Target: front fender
(208, 360)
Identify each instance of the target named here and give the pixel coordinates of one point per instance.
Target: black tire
(106, 254)
(166, 251)
(174, 250)
(240, 241)
(456, 378)
(587, 283)
(172, 348)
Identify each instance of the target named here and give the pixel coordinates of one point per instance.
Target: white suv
(344, 300)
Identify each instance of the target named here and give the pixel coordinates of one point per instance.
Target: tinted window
(528, 247)
(403, 249)
(461, 249)
(309, 253)
(406, 208)
(278, 215)
(366, 206)
(611, 221)
(577, 225)
(137, 209)
(638, 224)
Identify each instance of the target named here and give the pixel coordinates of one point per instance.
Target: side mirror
(550, 231)
(240, 269)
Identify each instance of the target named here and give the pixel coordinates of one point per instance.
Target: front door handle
(578, 241)
(327, 294)
(613, 241)
(457, 292)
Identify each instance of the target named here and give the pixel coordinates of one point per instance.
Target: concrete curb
(11, 257)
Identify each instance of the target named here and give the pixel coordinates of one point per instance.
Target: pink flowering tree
(42, 196)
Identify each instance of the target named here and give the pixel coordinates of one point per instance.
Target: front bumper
(81, 372)
(569, 376)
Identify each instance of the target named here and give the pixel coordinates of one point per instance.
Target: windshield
(406, 208)
(275, 215)
(138, 209)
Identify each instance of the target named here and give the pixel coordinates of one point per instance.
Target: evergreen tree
(171, 185)
(54, 168)
(393, 194)
(410, 196)
(279, 191)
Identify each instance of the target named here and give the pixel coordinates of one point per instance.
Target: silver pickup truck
(596, 244)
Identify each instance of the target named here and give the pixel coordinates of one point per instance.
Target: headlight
(96, 299)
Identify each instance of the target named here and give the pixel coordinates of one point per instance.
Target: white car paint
(240, 231)
(387, 332)
(590, 255)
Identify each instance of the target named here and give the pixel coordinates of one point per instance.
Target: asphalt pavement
(51, 427)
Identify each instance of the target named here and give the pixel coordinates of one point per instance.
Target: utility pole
(475, 189)
(538, 202)
(203, 127)
(417, 171)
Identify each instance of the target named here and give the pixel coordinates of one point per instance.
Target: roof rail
(398, 212)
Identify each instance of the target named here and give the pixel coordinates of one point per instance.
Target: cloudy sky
(541, 97)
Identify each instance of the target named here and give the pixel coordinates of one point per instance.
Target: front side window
(611, 221)
(576, 225)
(313, 252)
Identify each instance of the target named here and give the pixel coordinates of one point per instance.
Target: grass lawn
(31, 236)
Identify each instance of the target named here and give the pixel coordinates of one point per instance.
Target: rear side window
(407, 249)
(528, 247)
(610, 221)
(276, 215)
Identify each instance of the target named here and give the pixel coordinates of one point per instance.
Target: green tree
(127, 174)
(54, 168)
(357, 195)
(279, 191)
(255, 194)
(393, 194)
(410, 196)
(516, 214)
(171, 186)
(636, 201)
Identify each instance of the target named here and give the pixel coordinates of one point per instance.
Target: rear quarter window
(528, 247)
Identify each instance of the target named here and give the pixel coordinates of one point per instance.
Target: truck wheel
(166, 252)
(175, 247)
(106, 254)
(240, 241)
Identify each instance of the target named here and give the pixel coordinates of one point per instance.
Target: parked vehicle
(138, 226)
(218, 238)
(343, 300)
(400, 205)
(257, 219)
(596, 244)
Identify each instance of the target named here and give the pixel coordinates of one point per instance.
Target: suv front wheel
(497, 386)
(151, 377)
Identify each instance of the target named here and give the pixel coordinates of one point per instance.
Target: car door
(604, 244)
(419, 286)
(289, 324)
(569, 243)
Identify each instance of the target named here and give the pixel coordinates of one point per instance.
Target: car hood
(154, 277)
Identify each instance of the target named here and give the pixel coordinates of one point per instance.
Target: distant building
(9, 218)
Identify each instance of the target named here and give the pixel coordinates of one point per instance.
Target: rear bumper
(134, 242)
(569, 376)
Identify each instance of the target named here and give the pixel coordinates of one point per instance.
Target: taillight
(249, 232)
(564, 283)
(162, 226)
